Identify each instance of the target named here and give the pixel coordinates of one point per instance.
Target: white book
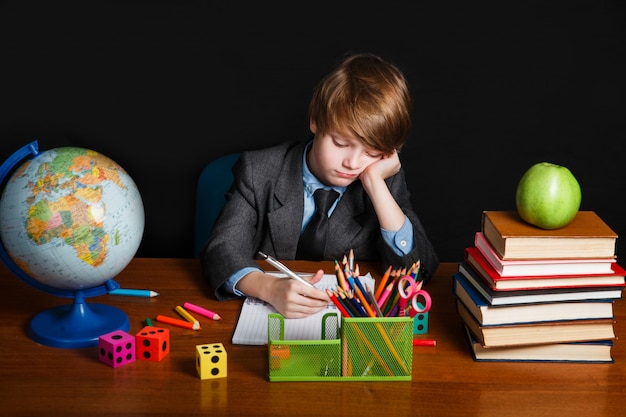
(541, 267)
(510, 297)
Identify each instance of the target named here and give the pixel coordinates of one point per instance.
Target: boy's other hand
(384, 168)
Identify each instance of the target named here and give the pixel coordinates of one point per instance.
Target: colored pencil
(383, 283)
(344, 262)
(373, 301)
(351, 260)
(424, 342)
(385, 294)
(350, 306)
(338, 304)
(415, 270)
(134, 293)
(357, 304)
(177, 322)
(202, 311)
(367, 298)
(341, 279)
(186, 315)
(361, 297)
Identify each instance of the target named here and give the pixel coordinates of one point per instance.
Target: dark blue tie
(313, 239)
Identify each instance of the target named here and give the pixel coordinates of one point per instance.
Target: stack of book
(529, 294)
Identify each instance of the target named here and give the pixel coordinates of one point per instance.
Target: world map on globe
(71, 218)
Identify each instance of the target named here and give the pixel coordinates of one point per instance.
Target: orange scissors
(412, 292)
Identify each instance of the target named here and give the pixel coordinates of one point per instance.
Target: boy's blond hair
(366, 97)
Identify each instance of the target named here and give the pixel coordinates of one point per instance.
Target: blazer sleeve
(242, 227)
(220, 256)
(423, 250)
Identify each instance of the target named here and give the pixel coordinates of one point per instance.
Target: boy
(360, 117)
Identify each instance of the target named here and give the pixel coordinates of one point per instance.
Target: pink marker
(202, 311)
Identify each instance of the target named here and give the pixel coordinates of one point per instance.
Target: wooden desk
(41, 380)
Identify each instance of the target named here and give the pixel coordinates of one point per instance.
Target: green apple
(548, 196)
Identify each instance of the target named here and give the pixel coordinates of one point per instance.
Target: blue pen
(134, 293)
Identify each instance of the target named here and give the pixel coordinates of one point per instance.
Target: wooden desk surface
(42, 380)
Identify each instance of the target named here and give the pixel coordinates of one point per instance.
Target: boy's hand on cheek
(384, 168)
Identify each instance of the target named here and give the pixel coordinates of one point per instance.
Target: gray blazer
(264, 210)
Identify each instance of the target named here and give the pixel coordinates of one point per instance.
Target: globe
(71, 219)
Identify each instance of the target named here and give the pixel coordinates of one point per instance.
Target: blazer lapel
(285, 213)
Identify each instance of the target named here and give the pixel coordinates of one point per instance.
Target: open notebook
(252, 324)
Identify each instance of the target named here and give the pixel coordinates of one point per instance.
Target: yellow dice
(211, 360)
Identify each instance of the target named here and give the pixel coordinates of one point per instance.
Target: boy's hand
(384, 168)
(390, 215)
(291, 298)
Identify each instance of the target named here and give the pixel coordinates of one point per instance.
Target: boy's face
(338, 159)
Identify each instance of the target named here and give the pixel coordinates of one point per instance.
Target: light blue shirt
(401, 241)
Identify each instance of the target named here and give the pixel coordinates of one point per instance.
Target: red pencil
(340, 306)
(424, 342)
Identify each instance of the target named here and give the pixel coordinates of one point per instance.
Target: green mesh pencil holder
(377, 348)
(304, 360)
(361, 349)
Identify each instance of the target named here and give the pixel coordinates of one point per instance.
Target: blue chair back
(214, 181)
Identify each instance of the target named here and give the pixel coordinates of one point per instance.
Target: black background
(164, 87)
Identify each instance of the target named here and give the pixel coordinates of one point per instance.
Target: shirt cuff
(401, 241)
(231, 282)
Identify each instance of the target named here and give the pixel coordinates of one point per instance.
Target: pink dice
(117, 348)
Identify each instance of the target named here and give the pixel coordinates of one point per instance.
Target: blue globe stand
(75, 325)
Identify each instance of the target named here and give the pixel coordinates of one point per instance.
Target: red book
(523, 282)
